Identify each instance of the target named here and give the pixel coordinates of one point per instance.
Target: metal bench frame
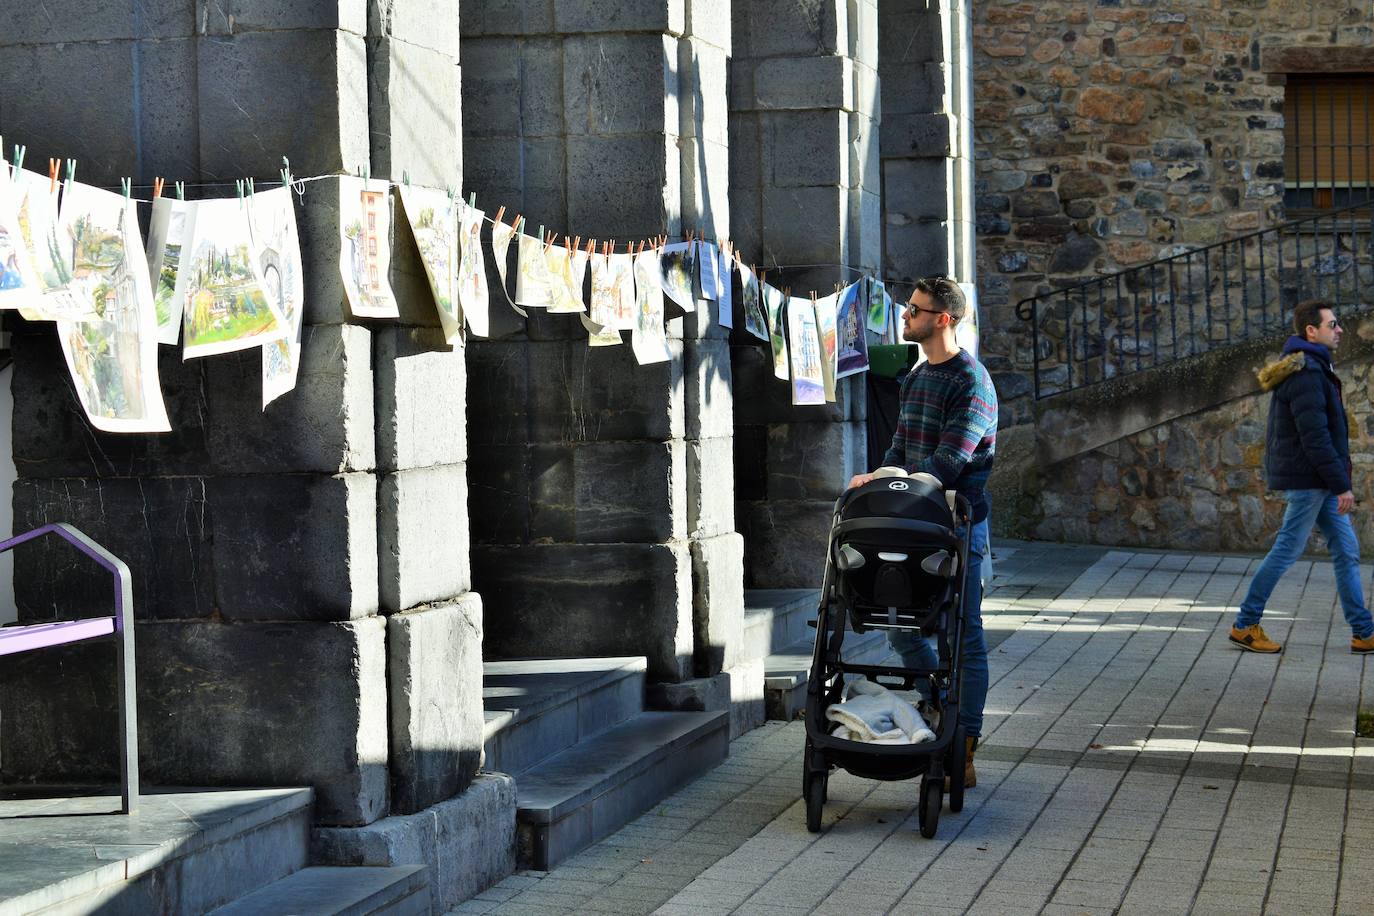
(121, 625)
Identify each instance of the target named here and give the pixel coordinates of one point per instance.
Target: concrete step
(331, 891)
(184, 851)
(593, 789)
(775, 618)
(536, 708)
(785, 673)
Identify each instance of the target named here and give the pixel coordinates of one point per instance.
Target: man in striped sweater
(948, 427)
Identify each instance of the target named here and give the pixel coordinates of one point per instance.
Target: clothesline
(298, 185)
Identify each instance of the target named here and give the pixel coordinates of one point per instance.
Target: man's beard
(912, 335)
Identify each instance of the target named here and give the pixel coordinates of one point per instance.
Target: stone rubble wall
(1111, 134)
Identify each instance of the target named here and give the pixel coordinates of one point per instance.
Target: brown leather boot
(970, 778)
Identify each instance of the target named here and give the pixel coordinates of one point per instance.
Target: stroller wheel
(958, 755)
(929, 812)
(815, 800)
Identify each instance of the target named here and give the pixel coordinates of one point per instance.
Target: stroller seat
(897, 556)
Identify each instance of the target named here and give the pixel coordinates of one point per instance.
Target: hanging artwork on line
(167, 234)
(828, 333)
(20, 284)
(649, 341)
(725, 303)
(501, 236)
(602, 305)
(852, 355)
(565, 290)
(433, 219)
(808, 383)
(219, 283)
(112, 356)
(708, 270)
(773, 304)
(533, 283)
(677, 272)
(877, 306)
(751, 303)
(473, 295)
(277, 250)
(365, 257)
(621, 279)
(49, 249)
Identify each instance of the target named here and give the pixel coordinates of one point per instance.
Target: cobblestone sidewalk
(1133, 763)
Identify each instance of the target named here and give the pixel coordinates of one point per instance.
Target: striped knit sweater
(948, 427)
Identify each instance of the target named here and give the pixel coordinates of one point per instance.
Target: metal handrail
(1198, 300)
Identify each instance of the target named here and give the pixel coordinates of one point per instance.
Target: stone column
(596, 490)
(927, 139)
(804, 190)
(256, 537)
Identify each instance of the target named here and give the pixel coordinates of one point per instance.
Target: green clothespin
(365, 172)
(405, 178)
(472, 200)
(250, 188)
(127, 186)
(181, 190)
(451, 194)
(238, 187)
(19, 152)
(71, 171)
(286, 171)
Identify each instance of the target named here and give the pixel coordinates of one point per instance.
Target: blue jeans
(919, 652)
(1306, 507)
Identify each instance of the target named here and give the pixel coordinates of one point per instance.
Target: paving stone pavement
(1134, 763)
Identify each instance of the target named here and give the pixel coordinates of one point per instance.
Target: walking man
(947, 426)
(1307, 458)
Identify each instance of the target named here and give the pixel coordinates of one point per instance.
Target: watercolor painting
(751, 303)
(473, 295)
(533, 283)
(565, 290)
(877, 306)
(433, 218)
(501, 236)
(167, 234)
(828, 332)
(773, 304)
(649, 341)
(49, 249)
(725, 302)
(277, 250)
(112, 356)
(20, 284)
(219, 282)
(808, 383)
(708, 270)
(365, 256)
(852, 356)
(677, 272)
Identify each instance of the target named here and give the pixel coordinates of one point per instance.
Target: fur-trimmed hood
(1272, 375)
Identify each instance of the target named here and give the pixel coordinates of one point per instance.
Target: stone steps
(589, 791)
(585, 755)
(535, 708)
(785, 672)
(187, 851)
(775, 618)
(333, 891)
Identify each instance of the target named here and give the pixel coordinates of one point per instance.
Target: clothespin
(19, 152)
(181, 190)
(501, 211)
(591, 247)
(71, 170)
(472, 200)
(541, 232)
(53, 166)
(549, 240)
(365, 172)
(126, 185)
(250, 189)
(286, 171)
(405, 178)
(157, 187)
(577, 242)
(238, 187)
(451, 195)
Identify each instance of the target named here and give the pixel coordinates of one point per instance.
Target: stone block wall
(601, 499)
(298, 621)
(1109, 135)
(804, 206)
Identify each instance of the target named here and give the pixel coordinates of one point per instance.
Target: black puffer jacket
(1307, 446)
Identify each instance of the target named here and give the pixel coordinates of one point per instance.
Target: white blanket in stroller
(870, 712)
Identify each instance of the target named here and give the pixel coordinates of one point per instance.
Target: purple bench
(120, 625)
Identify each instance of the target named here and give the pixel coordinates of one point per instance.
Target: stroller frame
(930, 760)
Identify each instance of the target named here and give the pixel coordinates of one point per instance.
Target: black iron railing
(1198, 300)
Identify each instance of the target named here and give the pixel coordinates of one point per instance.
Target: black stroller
(894, 562)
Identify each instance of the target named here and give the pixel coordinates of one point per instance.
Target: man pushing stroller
(947, 427)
